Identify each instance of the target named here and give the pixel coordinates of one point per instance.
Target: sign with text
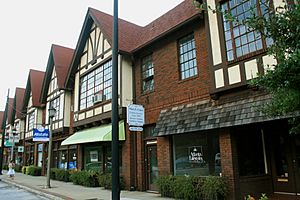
(40, 134)
(196, 155)
(134, 128)
(135, 115)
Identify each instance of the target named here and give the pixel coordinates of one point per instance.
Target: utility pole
(115, 109)
(3, 133)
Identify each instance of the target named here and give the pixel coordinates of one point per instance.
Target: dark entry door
(152, 167)
(285, 168)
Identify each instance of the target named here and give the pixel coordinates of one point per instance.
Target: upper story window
(17, 126)
(147, 73)
(187, 57)
(55, 104)
(239, 39)
(97, 81)
(31, 118)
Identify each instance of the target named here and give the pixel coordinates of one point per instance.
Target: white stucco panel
(234, 74)
(219, 78)
(269, 62)
(76, 92)
(98, 111)
(126, 85)
(214, 34)
(251, 69)
(89, 113)
(107, 107)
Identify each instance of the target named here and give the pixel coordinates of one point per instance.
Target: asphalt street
(9, 192)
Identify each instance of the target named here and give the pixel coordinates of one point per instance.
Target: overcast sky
(28, 28)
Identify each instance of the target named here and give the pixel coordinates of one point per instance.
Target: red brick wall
(126, 160)
(228, 162)
(164, 156)
(169, 90)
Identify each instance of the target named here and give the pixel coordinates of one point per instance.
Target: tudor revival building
(34, 111)
(55, 95)
(189, 69)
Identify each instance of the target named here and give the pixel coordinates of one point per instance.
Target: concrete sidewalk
(69, 191)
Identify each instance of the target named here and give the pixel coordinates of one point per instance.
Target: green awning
(95, 134)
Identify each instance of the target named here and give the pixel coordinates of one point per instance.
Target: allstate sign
(40, 134)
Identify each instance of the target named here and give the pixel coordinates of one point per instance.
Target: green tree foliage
(282, 80)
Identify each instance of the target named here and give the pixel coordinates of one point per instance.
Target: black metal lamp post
(115, 109)
(51, 112)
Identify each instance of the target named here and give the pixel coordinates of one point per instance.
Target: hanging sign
(40, 134)
(135, 115)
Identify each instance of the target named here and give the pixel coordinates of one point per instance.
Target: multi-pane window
(55, 104)
(187, 57)
(239, 39)
(147, 73)
(97, 81)
(31, 118)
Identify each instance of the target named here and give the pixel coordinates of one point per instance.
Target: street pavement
(10, 192)
(62, 190)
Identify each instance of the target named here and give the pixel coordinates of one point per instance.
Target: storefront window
(197, 154)
(63, 162)
(72, 159)
(93, 159)
(40, 155)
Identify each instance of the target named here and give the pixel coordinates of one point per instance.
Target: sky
(29, 28)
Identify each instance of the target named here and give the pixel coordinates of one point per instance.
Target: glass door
(152, 167)
(284, 164)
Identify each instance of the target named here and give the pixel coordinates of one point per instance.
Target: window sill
(188, 79)
(246, 57)
(94, 106)
(147, 92)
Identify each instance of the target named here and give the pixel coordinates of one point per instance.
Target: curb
(34, 191)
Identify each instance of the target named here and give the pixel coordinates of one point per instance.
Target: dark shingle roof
(133, 37)
(10, 110)
(18, 103)
(204, 115)
(34, 86)
(1, 120)
(62, 57)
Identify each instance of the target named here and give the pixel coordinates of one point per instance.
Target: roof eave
(199, 15)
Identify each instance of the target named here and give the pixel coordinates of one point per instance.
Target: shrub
(5, 167)
(18, 168)
(34, 171)
(60, 174)
(105, 180)
(85, 178)
(214, 187)
(24, 168)
(192, 187)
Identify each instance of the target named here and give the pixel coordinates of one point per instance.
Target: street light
(13, 133)
(51, 112)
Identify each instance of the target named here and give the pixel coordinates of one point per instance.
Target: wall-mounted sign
(135, 115)
(196, 154)
(20, 149)
(134, 128)
(40, 134)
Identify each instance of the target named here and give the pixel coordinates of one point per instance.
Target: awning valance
(95, 134)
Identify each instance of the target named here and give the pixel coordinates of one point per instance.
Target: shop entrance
(151, 166)
(285, 164)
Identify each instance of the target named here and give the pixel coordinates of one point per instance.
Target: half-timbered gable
(91, 70)
(33, 109)
(237, 53)
(53, 92)
(17, 116)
